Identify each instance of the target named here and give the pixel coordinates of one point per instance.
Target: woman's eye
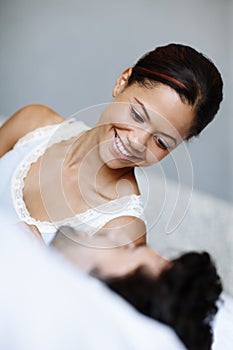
(136, 115)
(161, 143)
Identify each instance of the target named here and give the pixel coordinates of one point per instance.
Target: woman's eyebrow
(148, 117)
(143, 107)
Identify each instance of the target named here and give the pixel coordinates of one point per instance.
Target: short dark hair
(192, 75)
(184, 297)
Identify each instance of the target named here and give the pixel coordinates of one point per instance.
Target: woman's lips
(120, 148)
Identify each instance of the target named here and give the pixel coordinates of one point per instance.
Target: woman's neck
(83, 154)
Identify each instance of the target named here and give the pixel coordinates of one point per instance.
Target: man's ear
(122, 82)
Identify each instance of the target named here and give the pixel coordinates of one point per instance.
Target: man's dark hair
(183, 297)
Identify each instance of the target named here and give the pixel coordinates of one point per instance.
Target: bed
(46, 303)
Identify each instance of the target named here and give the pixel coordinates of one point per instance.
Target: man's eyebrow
(148, 117)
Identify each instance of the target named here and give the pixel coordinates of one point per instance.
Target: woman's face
(141, 126)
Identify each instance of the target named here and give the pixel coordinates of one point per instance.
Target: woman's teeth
(121, 147)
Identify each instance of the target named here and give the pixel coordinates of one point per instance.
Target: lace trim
(35, 134)
(93, 219)
(60, 132)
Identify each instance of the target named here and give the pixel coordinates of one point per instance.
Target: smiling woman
(162, 139)
(145, 122)
(60, 172)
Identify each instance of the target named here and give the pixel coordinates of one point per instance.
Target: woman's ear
(122, 82)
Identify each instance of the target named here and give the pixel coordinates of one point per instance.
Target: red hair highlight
(164, 76)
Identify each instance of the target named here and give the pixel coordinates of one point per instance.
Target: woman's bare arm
(23, 121)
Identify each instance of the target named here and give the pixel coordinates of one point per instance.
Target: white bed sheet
(223, 327)
(47, 304)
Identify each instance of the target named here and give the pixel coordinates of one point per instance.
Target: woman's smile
(122, 151)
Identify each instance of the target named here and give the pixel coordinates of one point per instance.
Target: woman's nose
(138, 140)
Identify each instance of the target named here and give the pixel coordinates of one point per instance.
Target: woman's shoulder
(23, 121)
(33, 116)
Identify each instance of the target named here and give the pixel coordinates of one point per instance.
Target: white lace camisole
(15, 164)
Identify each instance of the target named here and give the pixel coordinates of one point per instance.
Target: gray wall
(67, 54)
(230, 99)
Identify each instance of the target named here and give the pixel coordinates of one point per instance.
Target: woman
(64, 173)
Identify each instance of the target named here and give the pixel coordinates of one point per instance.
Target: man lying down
(181, 293)
(47, 303)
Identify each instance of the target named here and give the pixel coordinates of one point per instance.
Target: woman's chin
(119, 164)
